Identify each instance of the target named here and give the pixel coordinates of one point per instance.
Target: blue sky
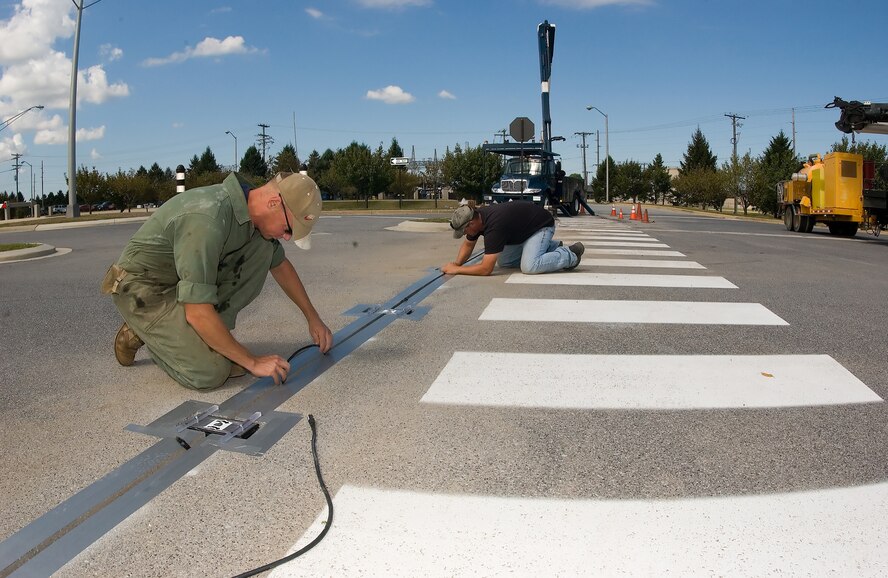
(162, 80)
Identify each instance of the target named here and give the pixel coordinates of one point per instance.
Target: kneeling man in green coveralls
(202, 257)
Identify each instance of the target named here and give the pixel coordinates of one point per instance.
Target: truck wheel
(812, 220)
(796, 219)
(803, 223)
(789, 218)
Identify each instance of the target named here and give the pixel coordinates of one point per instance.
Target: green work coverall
(198, 247)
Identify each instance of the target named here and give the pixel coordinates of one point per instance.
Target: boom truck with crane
(839, 188)
(531, 171)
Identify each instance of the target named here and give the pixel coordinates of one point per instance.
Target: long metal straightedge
(52, 540)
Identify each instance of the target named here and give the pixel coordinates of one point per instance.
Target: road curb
(30, 253)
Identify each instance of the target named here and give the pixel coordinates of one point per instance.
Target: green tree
(92, 186)
(659, 182)
(205, 164)
(252, 163)
(395, 149)
(698, 155)
(627, 181)
(702, 187)
(472, 172)
(285, 161)
(777, 164)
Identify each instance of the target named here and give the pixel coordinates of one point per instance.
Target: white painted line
(590, 263)
(645, 381)
(582, 237)
(623, 280)
(613, 311)
(398, 533)
(613, 231)
(638, 244)
(637, 252)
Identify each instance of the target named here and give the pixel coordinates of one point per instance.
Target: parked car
(85, 208)
(59, 209)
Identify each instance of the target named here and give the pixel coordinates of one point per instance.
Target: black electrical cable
(329, 522)
(301, 349)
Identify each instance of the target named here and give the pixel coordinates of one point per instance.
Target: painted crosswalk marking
(635, 252)
(633, 243)
(580, 381)
(639, 263)
(623, 280)
(584, 237)
(613, 311)
(403, 533)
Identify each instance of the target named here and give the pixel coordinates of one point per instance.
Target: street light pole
(606, 155)
(235, 148)
(73, 207)
(9, 120)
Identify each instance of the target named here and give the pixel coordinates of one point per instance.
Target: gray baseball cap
(461, 217)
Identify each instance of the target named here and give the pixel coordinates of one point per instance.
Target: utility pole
(264, 139)
(734, 118)
(15, 159)
(793, 133)
(584, 146)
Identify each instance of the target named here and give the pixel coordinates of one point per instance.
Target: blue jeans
(538, 254)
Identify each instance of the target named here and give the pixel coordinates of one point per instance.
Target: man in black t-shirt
(515, 234)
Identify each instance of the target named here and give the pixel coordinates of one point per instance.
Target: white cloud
(178, 124)
(55, 132)
(33, 29)
(314, 13)
(32, 73)
(94, 155)
(588, 4)
(11, 145)
(110, 53)
(207, 47)
(390, 95)
(447, 95)
(393, 3)
(221, 10)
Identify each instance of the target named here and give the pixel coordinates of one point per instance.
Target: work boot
(126, 344)
(236, 371)
(577, 249)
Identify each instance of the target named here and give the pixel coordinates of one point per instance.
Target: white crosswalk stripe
(638, 263)
(645, 381)
(835, 532)
(623, 280)
(617, 311)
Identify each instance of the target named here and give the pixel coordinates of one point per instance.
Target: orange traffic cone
(645, 220)
(613, 210)
(632, 215)
(621, 213)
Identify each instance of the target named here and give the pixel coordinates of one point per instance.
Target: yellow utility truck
(838, 189)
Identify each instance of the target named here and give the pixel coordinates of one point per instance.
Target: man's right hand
(273, 366)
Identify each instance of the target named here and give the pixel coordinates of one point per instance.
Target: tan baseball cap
(302, 196)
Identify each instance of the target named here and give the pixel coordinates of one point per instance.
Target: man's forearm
(204, 319)
(286, 277)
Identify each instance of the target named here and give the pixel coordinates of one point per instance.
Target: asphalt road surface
(702, 396)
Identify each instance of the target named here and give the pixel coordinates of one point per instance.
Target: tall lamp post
(9, 120)
(73, 207)
(235, 148)
(606, 155)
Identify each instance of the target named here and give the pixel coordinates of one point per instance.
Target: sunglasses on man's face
(289, 229)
